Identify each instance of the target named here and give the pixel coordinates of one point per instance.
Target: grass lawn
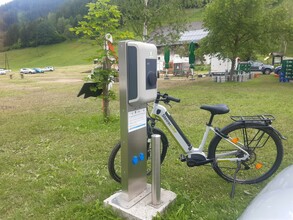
(54, 146)
(63, 54)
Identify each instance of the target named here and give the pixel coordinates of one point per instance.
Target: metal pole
(145, 27)
(156, 169)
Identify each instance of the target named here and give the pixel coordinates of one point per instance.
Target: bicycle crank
(195, 160)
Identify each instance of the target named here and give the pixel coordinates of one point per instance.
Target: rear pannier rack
(264, 118)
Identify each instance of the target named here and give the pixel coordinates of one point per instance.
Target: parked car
(260, 67)
(27, 70)
(278, 70)
(4, 71)
(48, 68)
(38, 70)
(274, 201)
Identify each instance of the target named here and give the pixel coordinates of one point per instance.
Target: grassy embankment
(64, 54)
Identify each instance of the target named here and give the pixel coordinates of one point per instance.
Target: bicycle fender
(278, 133)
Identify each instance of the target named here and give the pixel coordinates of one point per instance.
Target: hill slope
(63, 54)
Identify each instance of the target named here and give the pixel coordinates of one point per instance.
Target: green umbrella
(192, 47)
(167, 57)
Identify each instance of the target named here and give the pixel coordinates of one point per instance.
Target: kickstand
(234, 180)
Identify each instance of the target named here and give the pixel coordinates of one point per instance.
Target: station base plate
(141, 207)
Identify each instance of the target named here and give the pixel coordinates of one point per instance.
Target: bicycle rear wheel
(260, 141)
(114, 161)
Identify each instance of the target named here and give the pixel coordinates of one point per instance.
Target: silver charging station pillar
(138, 86)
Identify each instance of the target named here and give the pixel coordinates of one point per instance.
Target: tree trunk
(106, 98)
(285, 47)
(105, 104)
(232, 71)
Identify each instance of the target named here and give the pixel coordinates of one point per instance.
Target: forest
(30, 23)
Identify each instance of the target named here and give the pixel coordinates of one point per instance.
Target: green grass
(193, 15)
(64, 54)
(54, 146)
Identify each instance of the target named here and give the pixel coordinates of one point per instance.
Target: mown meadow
(54, 145)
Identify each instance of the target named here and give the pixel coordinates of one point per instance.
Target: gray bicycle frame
(161, 112)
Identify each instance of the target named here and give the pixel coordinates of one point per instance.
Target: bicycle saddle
(216, 109)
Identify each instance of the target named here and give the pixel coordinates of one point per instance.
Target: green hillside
(63, 54)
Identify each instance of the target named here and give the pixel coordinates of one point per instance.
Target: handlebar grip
(173, 99)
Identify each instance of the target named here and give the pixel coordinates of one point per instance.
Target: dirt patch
(61, 81)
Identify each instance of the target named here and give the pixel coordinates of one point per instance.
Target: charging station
(138, 86)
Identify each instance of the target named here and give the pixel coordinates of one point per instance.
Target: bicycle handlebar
(166, 98)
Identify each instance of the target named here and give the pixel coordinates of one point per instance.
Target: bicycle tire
(263, 144)
(114, 167)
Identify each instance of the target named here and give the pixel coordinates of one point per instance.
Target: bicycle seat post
(211, 120)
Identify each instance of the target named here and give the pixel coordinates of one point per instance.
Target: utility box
(220, 66)
(141, 70)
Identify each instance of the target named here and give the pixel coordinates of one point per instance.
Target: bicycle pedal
(182, 158)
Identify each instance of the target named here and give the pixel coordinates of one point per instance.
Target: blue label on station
(141, 156)
(135, 160)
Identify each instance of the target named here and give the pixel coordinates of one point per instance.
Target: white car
(4, 71)
(274, 202)
(48, 68)
(27, 70)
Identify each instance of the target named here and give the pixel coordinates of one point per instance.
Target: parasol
(167, 57)
(191, 55)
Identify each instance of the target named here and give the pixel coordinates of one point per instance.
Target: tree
(47, 34)
(26, 14)
(164, 18)
(244, 28)
(102, 19)
(12, 35)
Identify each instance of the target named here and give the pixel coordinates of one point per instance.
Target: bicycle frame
(160, 112)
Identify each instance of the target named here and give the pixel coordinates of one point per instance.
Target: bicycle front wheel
(260, 141)
(114, 161)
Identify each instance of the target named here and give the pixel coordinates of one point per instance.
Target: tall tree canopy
(244, 28)
(146, 16)
(28, 18)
